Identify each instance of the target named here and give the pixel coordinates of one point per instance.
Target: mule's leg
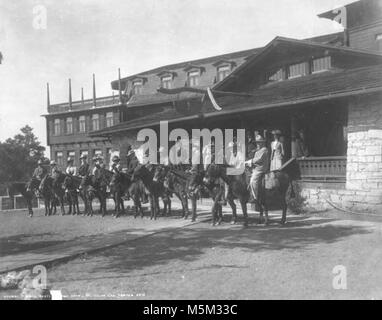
(193, 207)
(232, 204)
(152, 204)
(284, 208)
(61, 199)
(156, 207)
(243, 204)
(220, 214)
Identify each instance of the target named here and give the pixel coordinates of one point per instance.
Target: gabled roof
(279, 41)
(311, 88)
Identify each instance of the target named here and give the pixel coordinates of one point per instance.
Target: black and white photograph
(194, 150)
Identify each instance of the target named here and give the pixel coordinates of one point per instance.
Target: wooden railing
(322, 168)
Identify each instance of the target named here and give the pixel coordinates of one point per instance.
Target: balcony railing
(322, 168)
(86, 104)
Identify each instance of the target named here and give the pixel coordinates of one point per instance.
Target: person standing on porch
(277, 155)
(259, 164)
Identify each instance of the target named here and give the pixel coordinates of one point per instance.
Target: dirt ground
(227, 262)
(294, 261)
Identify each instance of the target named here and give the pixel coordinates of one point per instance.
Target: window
(109, 119)
(60, 158)
(57, 127)
(95, 121)
(276, 76)
(298, 70)
(69, 125)
(84, 153)
(72, 154)
(193, 78)
(167, 82)
(82, 123)
(137, 86)
(223, 72)
(321, 64)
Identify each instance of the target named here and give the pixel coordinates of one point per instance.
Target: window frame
(95, 120)
(306, 63)
(137, 86)
(321, 70)
(109, 118)
(168, 78)
(82, 120)
(67, 122)
(196, 77)
(57, 127)
(227, 71)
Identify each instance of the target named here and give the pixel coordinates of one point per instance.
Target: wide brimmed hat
(130, 152)
(115, 159)
(259, 138)
(83, 156)
(52, 163)
(70, 159)
(278, 132)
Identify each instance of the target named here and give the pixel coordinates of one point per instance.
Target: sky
(82, 37)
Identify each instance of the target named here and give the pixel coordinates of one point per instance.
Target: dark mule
(96, 187)
(59, 191)
(155, 189)
(47, 193)
(71, 185)
(237, 189)
(175, 183)
(21, 188)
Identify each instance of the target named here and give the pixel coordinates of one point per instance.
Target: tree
(19, 156)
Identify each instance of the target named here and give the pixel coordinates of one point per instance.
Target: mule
(21, 188)
(71, 185)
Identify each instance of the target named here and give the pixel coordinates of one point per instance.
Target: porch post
(293, 128)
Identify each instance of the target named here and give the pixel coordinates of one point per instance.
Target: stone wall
(362, 191)
(364, 155)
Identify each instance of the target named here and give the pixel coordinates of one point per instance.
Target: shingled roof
(315, 87)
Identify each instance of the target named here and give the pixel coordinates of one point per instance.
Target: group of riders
(257, 158)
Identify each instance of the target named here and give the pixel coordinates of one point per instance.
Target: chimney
(94, 92)
(70, 94)
(47, 96)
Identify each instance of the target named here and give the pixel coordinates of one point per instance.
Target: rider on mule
(71, 169)
(116, 166)
(260, 165)
(84, 170)
(39, 173)
(54, 172)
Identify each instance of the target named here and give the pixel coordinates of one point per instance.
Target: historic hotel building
(329, 87)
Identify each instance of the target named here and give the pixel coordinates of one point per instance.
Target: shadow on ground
(23, 242)
(190, 243)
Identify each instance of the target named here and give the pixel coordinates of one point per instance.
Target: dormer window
(298, 70)
(193, 78)
(321, 64)
(166, 81)
(276, 76)
(223, 72)
(137, 86)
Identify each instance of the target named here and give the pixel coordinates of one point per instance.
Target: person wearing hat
(251, 144)
(116, 166)
(71, 169)
(84, 169)
(260, 165)
(277, 151)
(54, 170)
(38, 174)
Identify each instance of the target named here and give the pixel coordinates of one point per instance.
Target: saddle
(271, 181)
